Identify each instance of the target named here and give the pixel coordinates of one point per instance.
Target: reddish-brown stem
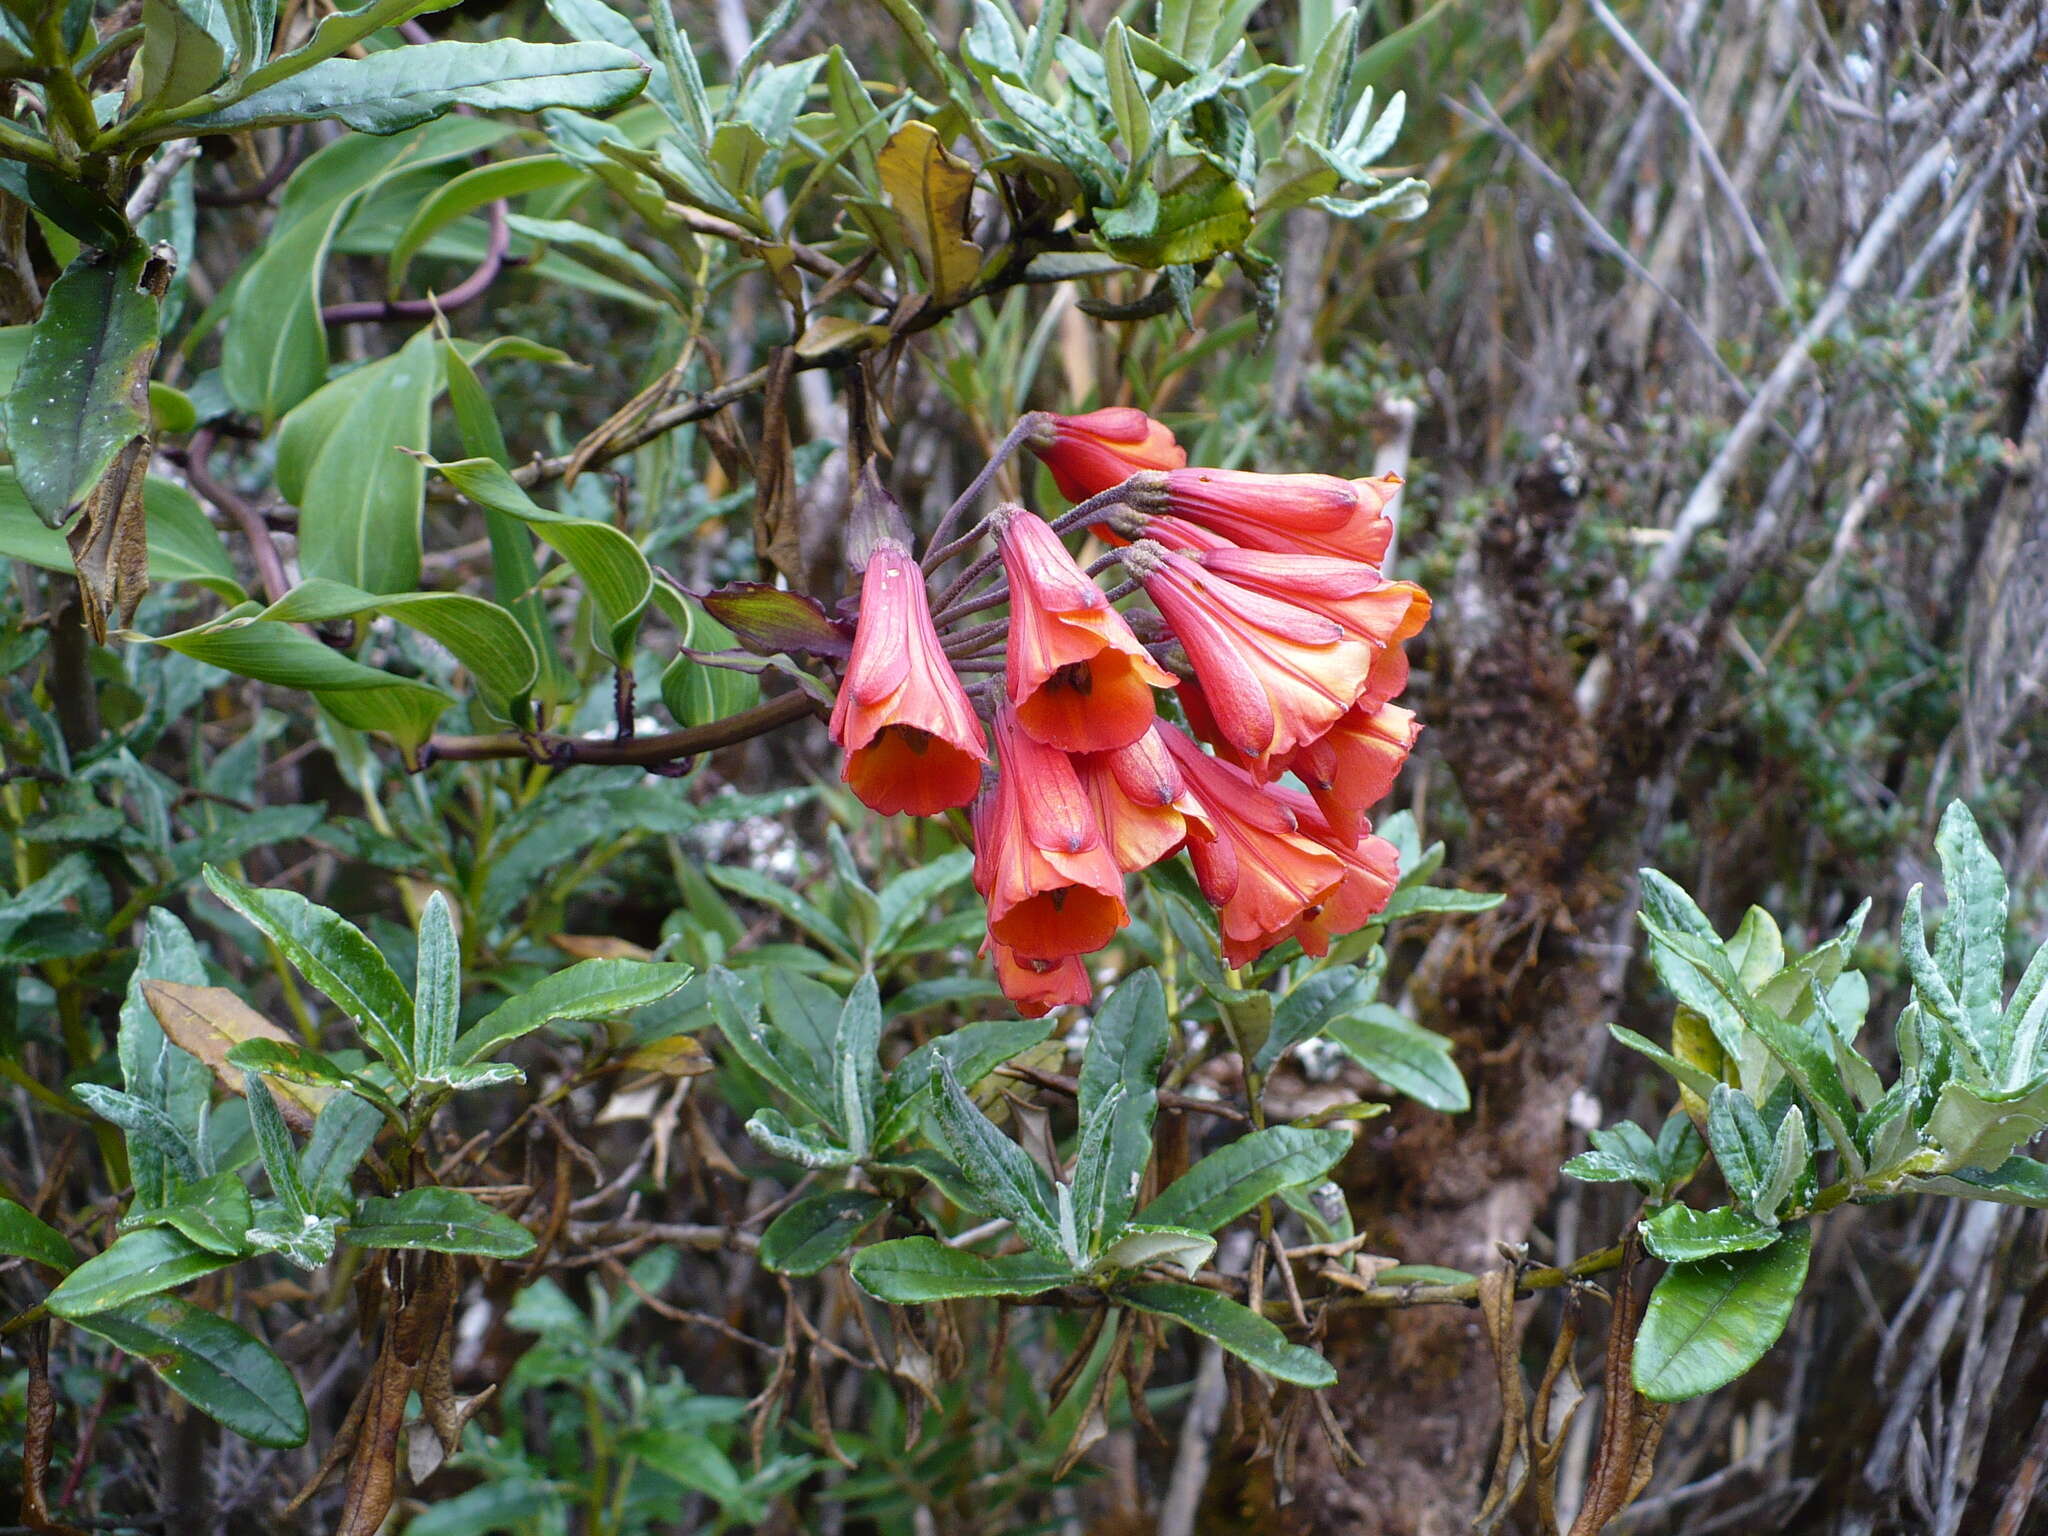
(639, 752)
(269, 563)
(468, 291)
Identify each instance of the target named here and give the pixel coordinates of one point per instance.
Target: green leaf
(1789, 1157)
(274, 1146)
(156, 1071)
(1230, 1181)
(975, 1050)
(1743, 1146)
(403, 87)
(149, 1130)
(439, 1220)
(77, 401)
(181, 58)
(858, 1063)
(1976, 1129)
(1143, 1246)
(904, 900)
(2016, 1181)
(1679, 1234)
(1420, 900)
(466, 193)
(480, 635)
(215, 1213)
(1127, 1043)
(1126, 97)
(1308, 1006)
(1000, 1171)
(1710, 1321)
(211, 1363)
(275, 351)
(815, 1231)
(340, 461)
(356, 695)
(809, 1146)
(1699, 1081)
(736, 1009)
(437, 989)
(613, 570)
(1621, 1154)
(23, 1236)
(1403, 1055)
(911, 1271)
(1970, 948)
(138, 1264)
(589, 989)
(1238, 1329)
(795, 906)
(332, 954)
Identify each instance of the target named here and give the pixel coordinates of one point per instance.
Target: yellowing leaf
(931, 189)
(211, 1021)
(599, 946)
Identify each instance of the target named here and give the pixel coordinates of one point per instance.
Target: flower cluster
(1272, 629)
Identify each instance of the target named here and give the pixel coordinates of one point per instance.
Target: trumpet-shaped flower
(1275, 675)
(911, 739)
(1040, 860)
(1036, 987)
(1290, 514)
(1089, 454)
(1372, 868)
(1268, 880)
(1077, 677)
(1351, 766)
(1368, 605)
(1141, 802)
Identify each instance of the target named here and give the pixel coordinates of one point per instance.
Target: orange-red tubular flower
(1291, 514)
(1355, 595)
(1089, 454)
(1077, 677)
(1141, 802)
(1351, 766)
(1372, 868)
(1036, 987)
(912, 742)
(1053, 889)
(1275, 675)
(1268, 880)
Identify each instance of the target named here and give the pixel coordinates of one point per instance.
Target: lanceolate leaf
(138, 1264)
(354, 694)
(23, 1236)
(441, 1220)
(815, 1231)
(340, 460)
(211, 1363)
(1230, 1181)
(911, 1271)
(612, 568)
(589, 989)
(331, 953)
(1238, 1329)
(403, 87)
(997, 1167)
(1709, 1322)
(1403, 1055)
(486, 639)
(75, 403)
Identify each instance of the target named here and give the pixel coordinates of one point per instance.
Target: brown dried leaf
(110, 543)
(211, 1021)
(599, 946)
(1510, 1467)
(1631, 1425)
(931, 190)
